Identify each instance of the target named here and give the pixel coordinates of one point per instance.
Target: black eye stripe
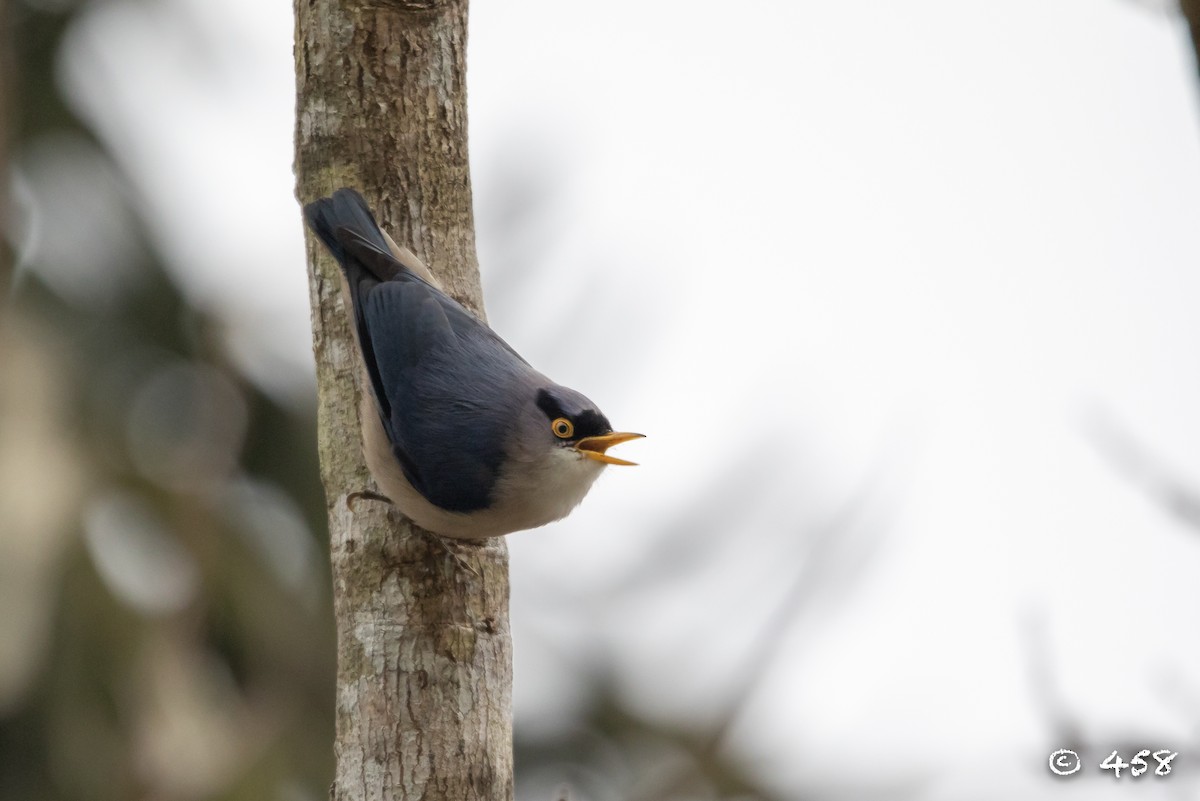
(569, 405)
(591, 423)
(548, 404)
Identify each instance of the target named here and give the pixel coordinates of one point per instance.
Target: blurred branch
(1191, 12)
(618, 739)
(714, 510)
(1065, 726)
(827, 544)
(8, 81)
(829, 554)
(1189, 9)
(1131, 457)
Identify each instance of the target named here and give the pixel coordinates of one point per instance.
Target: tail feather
(345, 216)
(347, 227)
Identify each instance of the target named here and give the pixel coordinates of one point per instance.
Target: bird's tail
(342, 219)
(363, 249)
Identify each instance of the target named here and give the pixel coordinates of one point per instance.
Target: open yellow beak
(595, 447)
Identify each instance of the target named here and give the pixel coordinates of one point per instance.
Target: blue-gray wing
(448, 390)
(444, 383)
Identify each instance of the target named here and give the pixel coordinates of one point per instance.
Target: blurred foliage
(170, 573)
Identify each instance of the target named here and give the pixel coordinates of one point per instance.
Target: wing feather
(447, 387)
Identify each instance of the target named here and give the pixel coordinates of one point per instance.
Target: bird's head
(574, 423)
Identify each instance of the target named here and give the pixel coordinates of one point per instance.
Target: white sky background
(814, 238)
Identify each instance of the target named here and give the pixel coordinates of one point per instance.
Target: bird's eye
(562, 428)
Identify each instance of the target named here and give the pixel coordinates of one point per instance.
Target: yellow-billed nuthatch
(459, 431)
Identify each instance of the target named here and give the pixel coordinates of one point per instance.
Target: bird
(460, 433)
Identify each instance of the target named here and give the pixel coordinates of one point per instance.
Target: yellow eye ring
(562, 428)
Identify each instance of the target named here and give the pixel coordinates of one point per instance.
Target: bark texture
(424, 652)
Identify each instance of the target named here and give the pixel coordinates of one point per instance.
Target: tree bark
(424, 651)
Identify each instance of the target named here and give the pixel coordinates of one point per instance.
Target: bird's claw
(368, 495)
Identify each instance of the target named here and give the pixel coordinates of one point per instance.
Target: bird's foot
(365, 494)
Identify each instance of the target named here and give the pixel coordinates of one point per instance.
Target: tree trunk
(424, 684)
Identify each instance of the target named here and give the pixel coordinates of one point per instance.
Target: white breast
(534, 488)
